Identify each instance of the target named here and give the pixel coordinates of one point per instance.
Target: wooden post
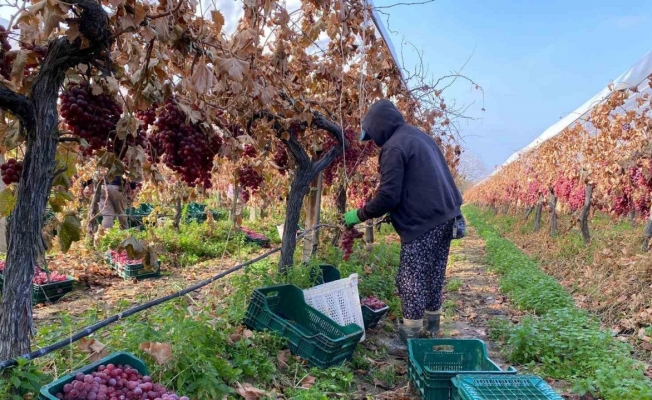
(313, 205)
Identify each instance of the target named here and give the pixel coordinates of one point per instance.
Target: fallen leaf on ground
(160, 352)
(455, 332)
(282, 359)
(308, 382)
(249, 392)
(94, 347)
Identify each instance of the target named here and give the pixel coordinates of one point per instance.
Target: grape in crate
(418, 191)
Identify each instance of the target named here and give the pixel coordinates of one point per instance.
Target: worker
(418, 191)
(113, 204)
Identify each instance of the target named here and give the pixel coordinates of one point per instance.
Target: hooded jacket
(416, 186)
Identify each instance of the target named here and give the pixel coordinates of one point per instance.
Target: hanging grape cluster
(250, 181)
(353, 155)
(182, 146)
(281, 158)
(346, 242)
(90, 117)
(11, 171)
(6, 59)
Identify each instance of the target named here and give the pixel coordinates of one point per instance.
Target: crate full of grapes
(129, 268)
(44, 289)
(50, 289)
(373, 311)
(118, 376)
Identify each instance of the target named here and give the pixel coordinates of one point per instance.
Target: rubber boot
(410, 329)
(433, 319)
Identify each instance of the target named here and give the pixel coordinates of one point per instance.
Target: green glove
(351, 218)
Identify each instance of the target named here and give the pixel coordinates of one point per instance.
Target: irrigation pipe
(101, 324)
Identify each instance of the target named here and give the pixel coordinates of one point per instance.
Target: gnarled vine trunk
(553, 214)
(584, 217)
(340, 203)
(39, 118)
(537, 215)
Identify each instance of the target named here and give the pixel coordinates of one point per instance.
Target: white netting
(338, 300)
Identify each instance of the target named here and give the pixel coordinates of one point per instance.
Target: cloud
(630, 21)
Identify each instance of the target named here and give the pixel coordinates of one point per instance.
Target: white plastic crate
(339, 300)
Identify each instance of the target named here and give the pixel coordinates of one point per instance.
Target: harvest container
(130, 271)
(311, 335)
(372, 317)
(51, 292)
(433, 363)
(48, 392)
(329, 273)
(492, 387)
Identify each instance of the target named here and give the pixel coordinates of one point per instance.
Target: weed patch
(559, 340)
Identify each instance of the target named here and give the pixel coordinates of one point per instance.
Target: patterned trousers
(421, 274)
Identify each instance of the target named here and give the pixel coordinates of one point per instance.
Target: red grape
(122, 258)
(110, 382)
(346, 242)
(40, 276)
(11, 171)
(90, 117)
(372, 302)
(281, 159)
(183, 146)
(250, 181)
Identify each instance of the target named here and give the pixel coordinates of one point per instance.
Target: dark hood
(381, 121)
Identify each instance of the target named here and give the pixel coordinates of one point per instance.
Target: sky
(537, 61)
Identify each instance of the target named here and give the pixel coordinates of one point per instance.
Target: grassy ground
(493, 293)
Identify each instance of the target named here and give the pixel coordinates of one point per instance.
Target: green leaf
(15, 381)
(70, 231)
(7, 201)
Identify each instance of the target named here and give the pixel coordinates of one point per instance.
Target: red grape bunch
(122, 258)
(90, 117)
(11, 171)
(250, 181)
(346, 242)
(182, 146)
(6, 59)
(111, 382)
(250, 151)
(40, 276)
(281, 159)
(373, 302)
(147, 117)
(353, 156)
(577, 197)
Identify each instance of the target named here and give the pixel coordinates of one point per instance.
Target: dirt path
(466, 314)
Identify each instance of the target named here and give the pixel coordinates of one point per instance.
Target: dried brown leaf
(160, 352)
(249, 392)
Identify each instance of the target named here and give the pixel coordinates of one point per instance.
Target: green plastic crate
(327, 273)
(433, 363)
(130, 271)
(372, 317)
(311, 335)
(51, 292)
(48, 392)
(491, 387)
